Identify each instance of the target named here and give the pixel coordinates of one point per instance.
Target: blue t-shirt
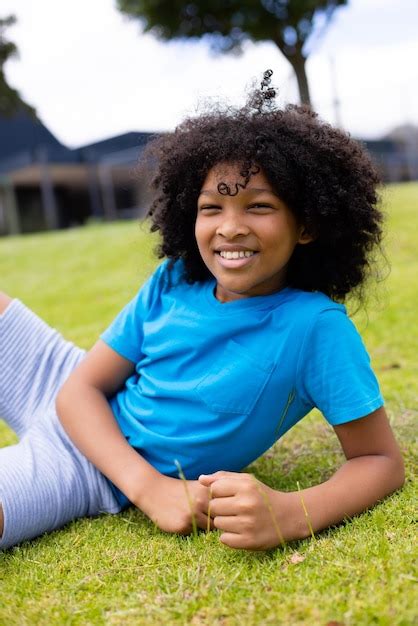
(216, 384)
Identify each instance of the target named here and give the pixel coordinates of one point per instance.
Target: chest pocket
(234, 381)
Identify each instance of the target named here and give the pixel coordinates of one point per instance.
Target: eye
(209, 208)
(261, 207)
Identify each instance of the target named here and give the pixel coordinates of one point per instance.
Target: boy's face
(253, 225)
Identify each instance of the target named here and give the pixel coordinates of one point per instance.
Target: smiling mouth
(236, 254)
(236, 260)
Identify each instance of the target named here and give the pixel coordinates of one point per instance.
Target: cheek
(197, 230)
(201, 236)
(202, 229)
(282, 232)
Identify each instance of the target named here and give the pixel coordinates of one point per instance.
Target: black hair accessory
(260, 98)
(264, 95)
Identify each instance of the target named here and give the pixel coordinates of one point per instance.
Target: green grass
(121, 569)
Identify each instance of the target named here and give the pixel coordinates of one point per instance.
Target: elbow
(401, 473)
(397, 472)
(61, 403)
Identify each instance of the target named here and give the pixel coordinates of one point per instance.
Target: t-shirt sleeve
(125, 334)
(335, 371)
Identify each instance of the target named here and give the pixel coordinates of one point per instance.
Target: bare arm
(86, 416)
(254, 516)
(373, 469)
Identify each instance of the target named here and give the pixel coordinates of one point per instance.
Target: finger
(232, 540)
(208, 479)
(228, 523)
(203, 522)
(225, 487)
(223, 506)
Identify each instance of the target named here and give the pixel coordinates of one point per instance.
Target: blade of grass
(210, 499)
(272, 515)
(305, 511)
(290, 398)
(188, 496)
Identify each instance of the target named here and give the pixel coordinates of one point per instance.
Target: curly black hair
(326, 178)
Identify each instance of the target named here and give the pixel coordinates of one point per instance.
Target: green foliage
(288, 23)
(10, 100)
(121, 570)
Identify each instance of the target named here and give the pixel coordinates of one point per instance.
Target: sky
(91, 73)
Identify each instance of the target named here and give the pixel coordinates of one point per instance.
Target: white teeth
(236, 254)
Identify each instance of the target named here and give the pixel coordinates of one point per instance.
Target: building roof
(26, 142)
(21, 132)
(119, 143)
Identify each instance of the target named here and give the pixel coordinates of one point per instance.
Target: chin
(234, 292)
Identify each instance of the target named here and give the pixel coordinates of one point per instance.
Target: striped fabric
(45, 481)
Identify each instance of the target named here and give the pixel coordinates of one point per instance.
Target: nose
(232, 225)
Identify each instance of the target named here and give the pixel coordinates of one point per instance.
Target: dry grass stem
(305, 511)
(210, 499)
(188, 496)
(272, 515)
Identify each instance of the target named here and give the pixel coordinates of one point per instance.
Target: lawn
(121, 570)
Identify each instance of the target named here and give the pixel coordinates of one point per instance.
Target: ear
(305, 236)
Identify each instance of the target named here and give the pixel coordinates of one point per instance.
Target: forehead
(231, 174)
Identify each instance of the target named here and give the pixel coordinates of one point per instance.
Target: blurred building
(396, 158)
(44, 185)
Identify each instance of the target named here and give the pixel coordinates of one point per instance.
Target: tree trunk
(297, 61)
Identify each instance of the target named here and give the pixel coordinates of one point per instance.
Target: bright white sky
(91, 74)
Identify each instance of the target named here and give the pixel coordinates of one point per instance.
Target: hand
(250, 513)
(172, 503)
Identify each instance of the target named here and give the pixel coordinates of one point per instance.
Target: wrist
(289, 514)
(140, 484)
(133, 475)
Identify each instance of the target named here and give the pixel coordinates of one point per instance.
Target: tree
(228, 23)
(10, 100)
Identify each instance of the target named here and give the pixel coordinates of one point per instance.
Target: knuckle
(247, 504)
(213, 509)
(214, 490)
(250, 486)
(201, 501)
(249, 524)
